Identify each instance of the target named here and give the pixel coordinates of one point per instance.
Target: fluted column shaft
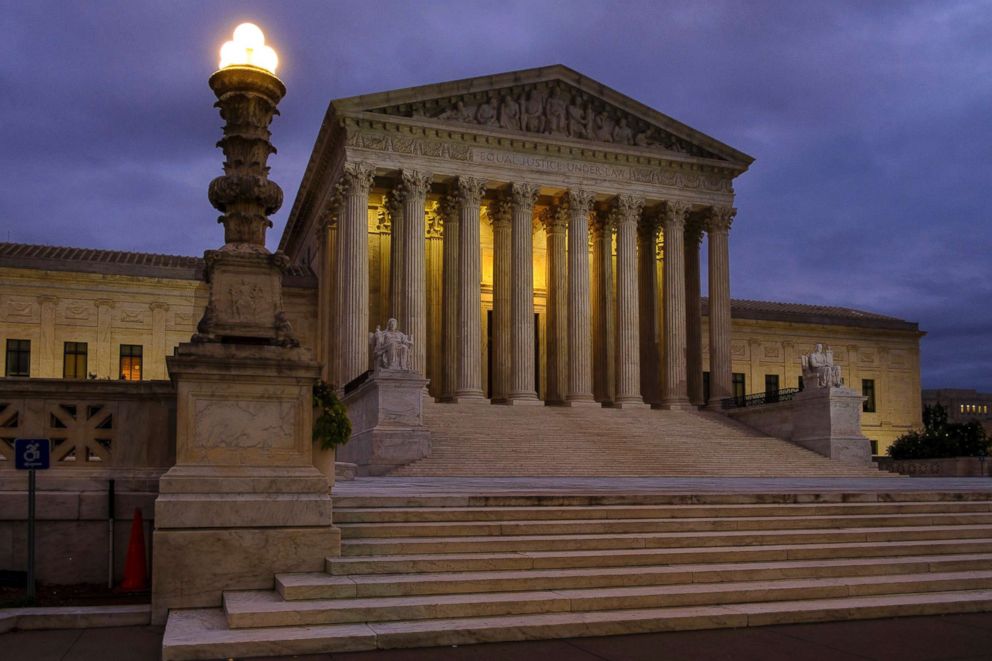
(675, 393)
(647, 238)
(579, 307)
(413, 309)
(522, 388)
(395, 208)
(719, 304)
(555, 224)
(693, 316)
(603, 347)
(449, 311)
(353, 258)
(500, 215)
(470, 192)
(628, 212)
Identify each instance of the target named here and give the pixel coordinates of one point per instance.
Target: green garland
(331, 426)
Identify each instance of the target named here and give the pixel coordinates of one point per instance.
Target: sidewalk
(937, 638)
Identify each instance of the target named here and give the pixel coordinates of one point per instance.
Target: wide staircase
(550, 441)
(459, 569)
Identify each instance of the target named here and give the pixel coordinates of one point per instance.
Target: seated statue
(390, 348)
(819, 369)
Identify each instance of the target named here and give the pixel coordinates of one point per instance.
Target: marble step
(258, 608)
(627, 526)
(321, 585)
(343, 515)
(648, 556)
(507, 543)
(198, 634)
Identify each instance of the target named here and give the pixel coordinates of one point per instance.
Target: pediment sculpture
(819, 370)
(554, 109)
(390, 348)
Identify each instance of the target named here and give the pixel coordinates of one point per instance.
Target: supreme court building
(537, 233)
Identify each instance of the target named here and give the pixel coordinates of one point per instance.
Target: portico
(536, 233)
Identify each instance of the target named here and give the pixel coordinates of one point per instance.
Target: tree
(940, 438)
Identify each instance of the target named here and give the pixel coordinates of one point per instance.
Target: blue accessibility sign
(32, 453)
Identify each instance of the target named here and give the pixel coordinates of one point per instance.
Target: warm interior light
(248, 48)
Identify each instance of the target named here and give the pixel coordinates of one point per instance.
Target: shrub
(331, 426)
(940, 438)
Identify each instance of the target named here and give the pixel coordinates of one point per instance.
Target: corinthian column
(693, 315)
(647, 240)
(628, 212)
(675, 390)
(413, 309)
(602, 309)
(579, 309)
(449, 307)
(522, 297)
(718, 227)
(555, 222)
(500, 214)
(469, 389)
(395, 208)
(353, 260)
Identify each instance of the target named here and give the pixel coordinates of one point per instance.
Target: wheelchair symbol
(32, 453)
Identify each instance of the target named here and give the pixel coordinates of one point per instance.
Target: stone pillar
(628, 213)
(328, 354)
(602, 309)
(647, 288)
(413, 309)
(48, 355)
(104, 364)
(158, 349)
(693, 316)
(352, 307)
(718, 228)
(433, 229)
(580, 372)
(675, 394)
(555, 221)
(449, 312)
(500, 215)
(470, 191)
(394, 210)
(522, 387)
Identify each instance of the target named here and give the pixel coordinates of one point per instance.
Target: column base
(629, 404)
(590, 402)
(677, 406)
(471, 398)
(524, 400)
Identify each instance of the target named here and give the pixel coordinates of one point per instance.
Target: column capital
(48, 299)
(579, 201)
(676, 212)
(694, 232)
(555, 219)
(332, 209)
(628, 208)
(499, 211)
(158, 305)
(523, 194)
(470, 191)
(720, 219)
(104, 303)
(648, 224)
(601, 222)
(357, 176)
(414, 183)
(448, 209)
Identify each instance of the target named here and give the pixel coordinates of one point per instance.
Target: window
(74, 361)
(18, 358)
(739, 387)
(706, 387)
(868, 390)
(771, 387)
(130, 362)
(874, 447)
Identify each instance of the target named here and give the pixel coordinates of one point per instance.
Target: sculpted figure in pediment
(604, 126)
(557, 110)
(460, 113)
(509, 113)
(533, 112)
(622, 134)
(487, 113)
(577, 119)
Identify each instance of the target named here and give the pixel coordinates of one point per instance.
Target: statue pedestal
(387, 422)
(243, 501)
(828, 422)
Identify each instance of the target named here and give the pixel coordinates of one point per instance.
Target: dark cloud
(869, 122)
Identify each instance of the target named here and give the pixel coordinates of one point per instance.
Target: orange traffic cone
(135, 576)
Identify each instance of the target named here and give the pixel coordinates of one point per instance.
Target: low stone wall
(101, 430)
(944, 467)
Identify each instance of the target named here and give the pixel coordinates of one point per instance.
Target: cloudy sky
(871, 123)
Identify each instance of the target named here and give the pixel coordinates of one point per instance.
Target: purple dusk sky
(870, 122)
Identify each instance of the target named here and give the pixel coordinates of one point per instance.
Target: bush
(940, 438)
(331, 427)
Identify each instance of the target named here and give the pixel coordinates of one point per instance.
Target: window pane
(74, 362)
(868, 390)
(18, 358)
(130, 364)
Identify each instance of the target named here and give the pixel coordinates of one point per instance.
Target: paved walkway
(938, 638)
(427, 486)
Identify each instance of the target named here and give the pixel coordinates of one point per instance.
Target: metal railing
(759, 399)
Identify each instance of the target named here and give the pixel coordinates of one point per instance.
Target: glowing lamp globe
(248, 48)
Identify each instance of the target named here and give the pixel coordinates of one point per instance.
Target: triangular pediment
(551, 102)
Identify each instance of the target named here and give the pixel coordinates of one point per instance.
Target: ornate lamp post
(245, 279)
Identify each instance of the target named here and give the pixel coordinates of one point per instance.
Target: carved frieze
(552, 108)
